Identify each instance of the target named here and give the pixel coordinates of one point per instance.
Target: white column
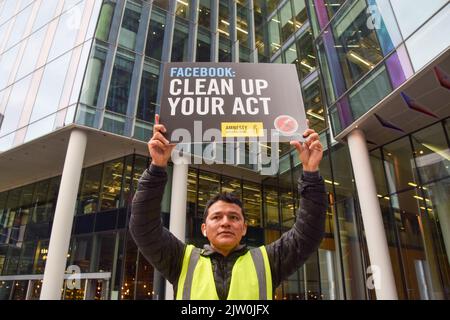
(178, 209)
(64, 213)
(372, 218)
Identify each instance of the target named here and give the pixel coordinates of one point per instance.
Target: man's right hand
(159, 147)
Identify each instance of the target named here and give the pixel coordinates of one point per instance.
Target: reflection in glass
(105, 20)
(94, 73)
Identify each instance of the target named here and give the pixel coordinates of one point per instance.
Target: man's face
(224, 226)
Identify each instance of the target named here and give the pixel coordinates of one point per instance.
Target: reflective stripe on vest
(251, 278)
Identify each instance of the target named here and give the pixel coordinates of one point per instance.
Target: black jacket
(165, 252)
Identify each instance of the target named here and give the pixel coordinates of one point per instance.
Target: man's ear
(204, 229)
(244, 231)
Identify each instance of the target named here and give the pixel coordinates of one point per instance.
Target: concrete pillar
(178, 209)
(64, 213)
(372, 218)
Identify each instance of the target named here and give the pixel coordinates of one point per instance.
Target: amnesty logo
(242, 129)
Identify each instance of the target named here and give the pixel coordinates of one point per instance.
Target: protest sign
(239, 100)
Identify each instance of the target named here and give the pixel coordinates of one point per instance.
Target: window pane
(105, 20)
(93, 77)
(111, 185)
(314, 106)
(300, 13)
(203, 45)
(67, 31)
(180, 41)
(19, 26)
(274, 34)
(307, 60)
(431, 152)
(287, 24)
(45, 14)
(119, 90)
(356, 44)
(369, 92)
(399, 165)
(155, 37)
(88, 199)
(411, 14)
(271, 203)
(30, 56)
(14, 107)
(251, 195)
(209, 186)
(50, 89)
(130, 25)
(430, 40)
(204, 13)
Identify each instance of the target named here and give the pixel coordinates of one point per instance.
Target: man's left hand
(310, 152)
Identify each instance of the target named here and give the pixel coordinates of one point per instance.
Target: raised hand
(159, 147)
(310, 152)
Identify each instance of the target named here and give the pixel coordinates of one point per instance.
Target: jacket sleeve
(290, 252)
(160, 247)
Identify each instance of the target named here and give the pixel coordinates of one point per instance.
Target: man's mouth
(226, 233)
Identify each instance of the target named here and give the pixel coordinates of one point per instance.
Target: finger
(159, 128)
(156, 118)
(307, 123)
(316, 145)
(308, 132)
(313, 137)
(297, 146)
(158, 144)
(158, 136)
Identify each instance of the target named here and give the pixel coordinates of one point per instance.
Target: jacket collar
(207, 250)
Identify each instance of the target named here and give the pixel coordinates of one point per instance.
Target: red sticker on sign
(286, 125)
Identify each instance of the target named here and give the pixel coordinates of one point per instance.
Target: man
(226, 269)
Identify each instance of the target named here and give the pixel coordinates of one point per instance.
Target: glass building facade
(96, 65)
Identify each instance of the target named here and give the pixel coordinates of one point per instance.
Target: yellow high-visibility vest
(251, 278)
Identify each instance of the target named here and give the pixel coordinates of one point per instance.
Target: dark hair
(226, 197)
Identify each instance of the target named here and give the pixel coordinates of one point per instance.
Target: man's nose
(225, 221)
